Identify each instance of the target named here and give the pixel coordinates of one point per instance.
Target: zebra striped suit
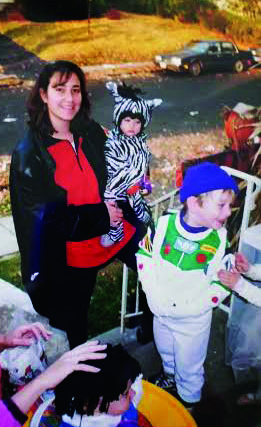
(127, 160)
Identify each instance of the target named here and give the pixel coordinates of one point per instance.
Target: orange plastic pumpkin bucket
(162, 409)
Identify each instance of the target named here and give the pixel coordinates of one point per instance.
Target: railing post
(124, 296)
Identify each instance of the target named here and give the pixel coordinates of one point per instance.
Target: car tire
(238, 66)
(195, 69)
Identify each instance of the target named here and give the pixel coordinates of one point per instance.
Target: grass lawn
(132, 38)
(106, 300)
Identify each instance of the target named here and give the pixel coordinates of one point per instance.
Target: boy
(127, 158)
(179, 276)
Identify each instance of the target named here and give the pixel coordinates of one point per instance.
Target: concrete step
(8, 242)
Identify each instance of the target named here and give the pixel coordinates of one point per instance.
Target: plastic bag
(24, 363)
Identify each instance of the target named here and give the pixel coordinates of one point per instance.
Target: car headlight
(176, 61)
(157, 58)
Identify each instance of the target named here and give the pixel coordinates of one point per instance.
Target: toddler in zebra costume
(127, 155)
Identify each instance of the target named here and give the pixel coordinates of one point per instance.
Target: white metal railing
(168, 201)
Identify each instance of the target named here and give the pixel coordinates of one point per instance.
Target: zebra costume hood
(131, 103)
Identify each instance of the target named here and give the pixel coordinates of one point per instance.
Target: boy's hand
(229, 278)
(241, 263)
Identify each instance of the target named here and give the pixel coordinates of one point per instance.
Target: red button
(201, 258)
(215, 300)
(140, 266)
(167, 249)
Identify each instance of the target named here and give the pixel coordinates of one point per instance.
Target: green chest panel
(188, 254)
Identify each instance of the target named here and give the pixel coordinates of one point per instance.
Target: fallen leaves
(5, 206)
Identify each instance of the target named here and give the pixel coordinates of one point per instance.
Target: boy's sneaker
(166, 382)
(190, 406)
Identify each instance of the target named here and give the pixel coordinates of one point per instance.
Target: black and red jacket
(56, 198)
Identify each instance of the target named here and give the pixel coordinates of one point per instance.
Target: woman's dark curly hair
(83, 391)
(38, 114)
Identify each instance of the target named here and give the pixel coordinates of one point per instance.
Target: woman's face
(63, 98)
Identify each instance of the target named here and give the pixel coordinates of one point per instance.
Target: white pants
(183, 344)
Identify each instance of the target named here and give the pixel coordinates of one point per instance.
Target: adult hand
(115, 213)
(241, 263)
(25, 335)
(229, 278)
(71, 361)
(68, 362)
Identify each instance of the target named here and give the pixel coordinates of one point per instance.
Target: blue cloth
(189, 228)
(205, 177)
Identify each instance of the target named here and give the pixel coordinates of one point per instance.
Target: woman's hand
(68, 362)
(24, 335)
(115, 213)
(71, 361)
(241, 263)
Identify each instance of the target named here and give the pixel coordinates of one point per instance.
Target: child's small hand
(241, 263)
(144, 192)
(229, 278)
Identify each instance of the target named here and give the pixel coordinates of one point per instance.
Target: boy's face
(118, 407)
(130, 127)
(215, 209)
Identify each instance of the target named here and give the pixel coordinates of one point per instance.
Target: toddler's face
(130, 127)
(215, 209)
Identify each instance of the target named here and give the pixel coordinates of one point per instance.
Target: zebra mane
(129, 91)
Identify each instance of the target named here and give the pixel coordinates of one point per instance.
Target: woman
(57, 180)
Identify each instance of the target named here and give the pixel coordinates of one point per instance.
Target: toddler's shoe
(106, 241)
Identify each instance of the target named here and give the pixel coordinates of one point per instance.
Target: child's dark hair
(81, 391)
(38, 115)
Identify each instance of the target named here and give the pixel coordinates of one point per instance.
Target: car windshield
(197, 47)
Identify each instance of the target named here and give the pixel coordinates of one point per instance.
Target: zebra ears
(113, 88)
(153, 103)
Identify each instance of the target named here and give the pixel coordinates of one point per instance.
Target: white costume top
(179, 276)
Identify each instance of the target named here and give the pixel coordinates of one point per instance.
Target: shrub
(215, 19)
(241, 30)
(113, 14)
